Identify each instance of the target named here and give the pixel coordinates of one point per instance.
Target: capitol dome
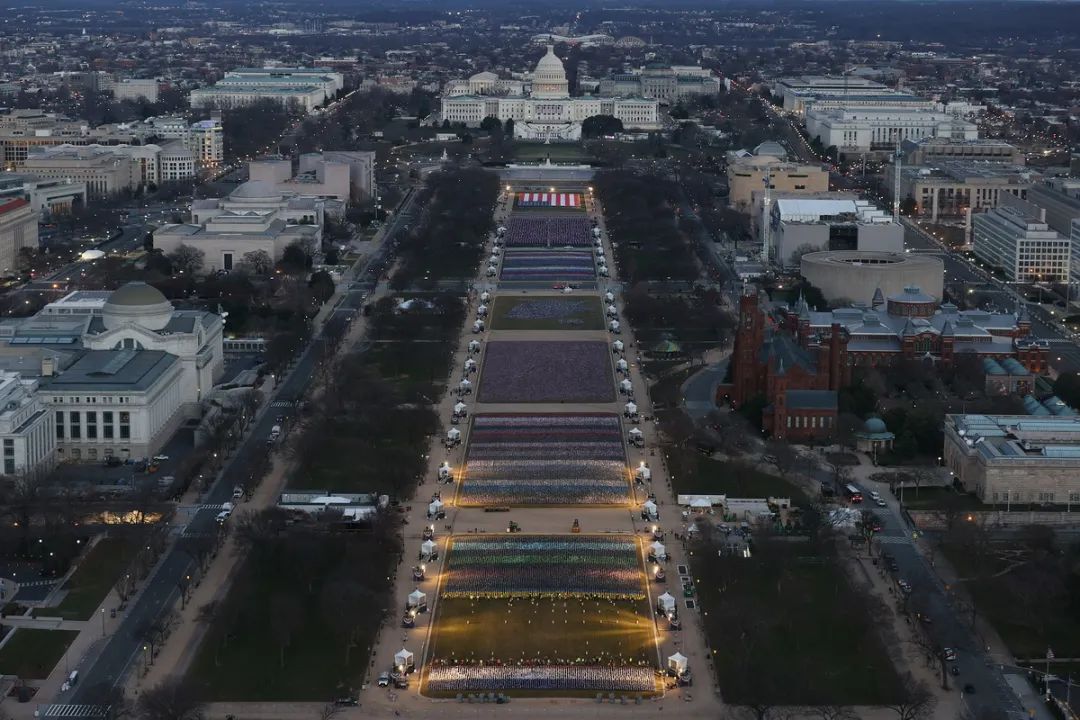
(138, 303)
(549, 77)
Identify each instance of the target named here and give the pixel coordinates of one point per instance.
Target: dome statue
(874, 425)
(137, 303)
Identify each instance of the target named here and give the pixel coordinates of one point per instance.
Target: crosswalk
(892, 539)
(64, 710)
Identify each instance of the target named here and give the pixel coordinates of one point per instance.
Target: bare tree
(832, 712)
(919, 703)
(329, 710)
(287, 617)
(187, 259)
(259, 262)
(170, 700)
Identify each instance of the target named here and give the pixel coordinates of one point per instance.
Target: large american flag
(549, 199)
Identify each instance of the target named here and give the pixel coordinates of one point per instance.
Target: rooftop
(113, 370)
(1014, 438)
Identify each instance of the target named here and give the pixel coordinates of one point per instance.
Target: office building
(857, 131)
(24, 130)
(27, 437)
(46, 196)
(666, 83)
(795, 92)
(254, 217)
(334, 174)
(104, 171)
(1015, 459)
(953, 188)
(746, 175)
(306, 88)
(204, 138)
(828, 221)
(1024, 248)
(931, 150)
(132, 89)
(18, 230)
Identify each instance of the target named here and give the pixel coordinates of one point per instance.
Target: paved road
(122, 649)
(946, 628)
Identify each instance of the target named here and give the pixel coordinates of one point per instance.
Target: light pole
(102, 622)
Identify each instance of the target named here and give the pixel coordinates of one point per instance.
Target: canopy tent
(464, 385)
(493, 259)
(617, 346)
(691, 528)
(460, 408)
(625, 385)
(621, 365)
(567, 290)
(470, 364)
(485, 296)
(482, 310)
(417, 599)
(643, 473)
(444, 470)
(631, 408)
(658, 549)
(700, 503)
(677, 663)
(636, 433)
(612, 311)
(609, 297)
(666, 603)
(427, 549)
(453, 434)
(614, 326)
(404, 660)
(436, 506)
(649, 508)
(474, 346)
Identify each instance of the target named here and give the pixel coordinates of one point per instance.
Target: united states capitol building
(541, 106)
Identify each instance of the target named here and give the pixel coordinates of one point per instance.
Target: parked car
(949, 654)
(384, 679)
(880, 502)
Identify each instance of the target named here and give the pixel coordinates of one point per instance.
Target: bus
(853, 494)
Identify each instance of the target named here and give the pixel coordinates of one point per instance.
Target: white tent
(658, 549)
(643, 472)
(404, 660)
(501, 230)
(636, 433)
(631, 408)
(613, 326)
(612, 311)
(492, 271)
(460, 408)
(617, 346)
(435, 507)
(666, 603)
(453, 434)
(493, 260)
(609, 297)
(625, 386)
(417, 599)
(649, 508)
(700, 503)
(485, 296)
(621, 365)
(567, 290)
(474, 346)
(482, 310)
(464, 385)
(691, 528)
(427, 549)
(677, 663)
(603, 271)
(444, 470)
(470, 364)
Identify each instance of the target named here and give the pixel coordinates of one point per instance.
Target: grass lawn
(696, 473)
(1027, 630)
(566, 152)
(937, 498)
(94, 578)
(244, 664)
(554, 312)
(786, 628)
(32, 654)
